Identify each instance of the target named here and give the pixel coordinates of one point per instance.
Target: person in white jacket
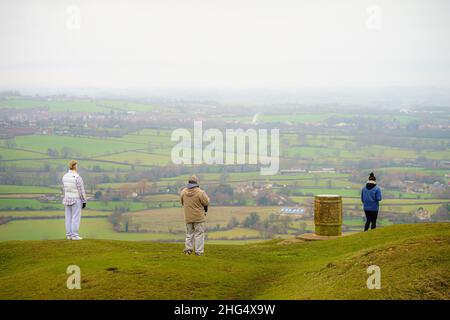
(74, 200)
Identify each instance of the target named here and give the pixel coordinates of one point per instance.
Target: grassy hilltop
(414, 262)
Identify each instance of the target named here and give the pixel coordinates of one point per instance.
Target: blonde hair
(72, 164)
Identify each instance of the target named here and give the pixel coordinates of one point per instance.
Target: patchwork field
(84, 146)
(42, 214)
(161, 220)
(31, 166)
(138, 158)
(80, 105)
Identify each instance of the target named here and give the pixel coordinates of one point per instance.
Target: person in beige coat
(195, 202)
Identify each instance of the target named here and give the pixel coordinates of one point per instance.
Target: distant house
(297, 212)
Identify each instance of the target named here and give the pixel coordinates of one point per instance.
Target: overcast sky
(228, 43)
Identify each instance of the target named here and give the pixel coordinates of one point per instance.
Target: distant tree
(98, 195)
(224, 177)
(301, 139)
(442, 213)
(232, 223)
(302, 227)
(10, 143)
(263, 200)
(413, 125)
(251, 220)
(330, 143)
(66, 152)
(124, 191)
(337, 153)
(47, 167)
(142, 186)
(11, 177)
(52, 152)
(316, 179)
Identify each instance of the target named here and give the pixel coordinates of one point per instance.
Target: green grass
(85, 146)
(12, 189)
(61, 164)
(341, 192)
(234, 233)
(138, 158)
(124, 105)
(27, 204)
(49, 213)
(414, 262)
(111, 205)
(91, 228)
(163, 198)
(412, 207)
(13, 154)
(397, 202)
(54, 105)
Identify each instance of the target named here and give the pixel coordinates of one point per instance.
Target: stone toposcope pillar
(328, 215)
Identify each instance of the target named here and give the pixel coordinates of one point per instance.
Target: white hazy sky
(227, 43)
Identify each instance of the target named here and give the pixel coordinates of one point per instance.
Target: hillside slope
(414, 262)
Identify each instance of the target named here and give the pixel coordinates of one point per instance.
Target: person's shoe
(187, 252)
(68, 237)
(198, 254)
(77, 238)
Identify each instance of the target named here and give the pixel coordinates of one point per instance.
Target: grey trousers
(73, 217)
(195, 237)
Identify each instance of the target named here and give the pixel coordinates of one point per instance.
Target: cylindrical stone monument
(328, 215)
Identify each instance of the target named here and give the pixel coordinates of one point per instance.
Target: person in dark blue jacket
(370, 197)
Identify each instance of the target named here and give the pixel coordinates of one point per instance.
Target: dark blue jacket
(370, 196)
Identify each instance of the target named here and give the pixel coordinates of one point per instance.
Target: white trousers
(195, 236)
(73, 217)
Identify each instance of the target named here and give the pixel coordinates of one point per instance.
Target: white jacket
(70, 185)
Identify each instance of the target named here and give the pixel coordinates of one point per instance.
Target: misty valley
(124, 149)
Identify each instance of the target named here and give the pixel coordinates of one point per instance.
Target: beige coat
(193, 200)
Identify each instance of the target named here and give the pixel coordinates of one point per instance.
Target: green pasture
(138, 158)
(50, 213)
(61, 164)
(27, 204)
(92, 228)
(123, 105)
(309, 117)
(14, 154)
(317, 191)
(234, 233)
(111, 205)
(82, 146)
(71, 105)
(14, 189)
